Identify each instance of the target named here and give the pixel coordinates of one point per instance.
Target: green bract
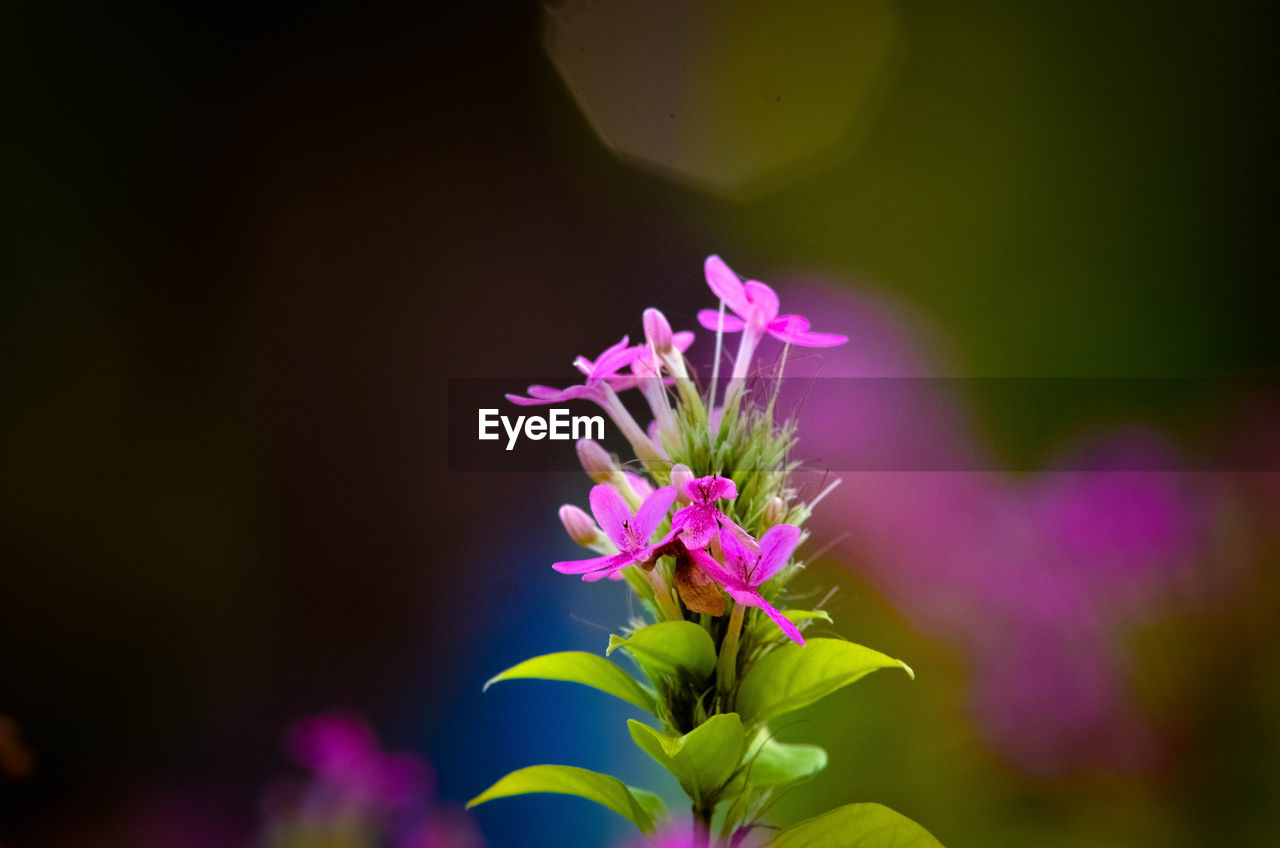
(670, 647)
(703, 759)
(769, 763)
(791, 676)
(706, 543)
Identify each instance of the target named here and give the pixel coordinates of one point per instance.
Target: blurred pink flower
(340, 748)
(358, 794)
(1040, 580)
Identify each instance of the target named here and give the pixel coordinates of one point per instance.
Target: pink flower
(744, 570)
(598, 373)
(342, 751)
(756, 309)
(602, 376)
(629, 532)
(579, 525)
(648, 361)
(701, 520)
(642, 487)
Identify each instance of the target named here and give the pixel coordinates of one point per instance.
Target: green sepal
(795, 676)
(581, 667)
(669, 647)
(856, 826)
(703, 759)
(638, 805)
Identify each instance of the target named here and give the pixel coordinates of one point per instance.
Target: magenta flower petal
(652, 511)
(546, 394)
(653, 550)
(738, 558)
(794, 329)
(612, 360)
(639, 485)
(764, 302)
(697, 524)
(533, 400)
(776, 546)
(714, 569)
(784, 624)
(611, 513)
(604, 364)
(600, 374)
(608, 562)
(708, 490)
(730, 527)
(725, 284)
(711, 319)
(611, 570)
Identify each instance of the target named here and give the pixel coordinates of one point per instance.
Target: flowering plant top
(706, 538)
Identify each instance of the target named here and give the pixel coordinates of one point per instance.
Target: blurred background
(248, 246)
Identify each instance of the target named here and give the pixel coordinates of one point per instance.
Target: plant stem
(727, 667)
(701, 826)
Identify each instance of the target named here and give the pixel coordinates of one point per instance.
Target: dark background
(248, 245)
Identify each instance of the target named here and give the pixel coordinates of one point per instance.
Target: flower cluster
(702, 549)
(703, 526)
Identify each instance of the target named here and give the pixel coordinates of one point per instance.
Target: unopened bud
(657, 331)
(580, 526)
(681, 476)
(639, 485)
(596, 461)
(774, 511)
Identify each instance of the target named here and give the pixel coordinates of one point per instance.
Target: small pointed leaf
(769, 763)
(703, 759)
(581, 667)
(856, 826)
(670, 647)
(639, 806)
(795, 676)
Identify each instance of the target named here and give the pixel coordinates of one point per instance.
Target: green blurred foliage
(1207, 681)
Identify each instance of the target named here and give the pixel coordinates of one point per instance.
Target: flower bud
(774, 511)
(657, 331)
(681, 476)
(639, 485)
(580, 526)
(596, 461)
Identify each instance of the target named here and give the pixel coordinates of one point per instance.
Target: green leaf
(856, 826)
(639, 806)
(581, 667)
(703, 759)
(769, 763)
(763, 624)
(794, 676)
(669, 647)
